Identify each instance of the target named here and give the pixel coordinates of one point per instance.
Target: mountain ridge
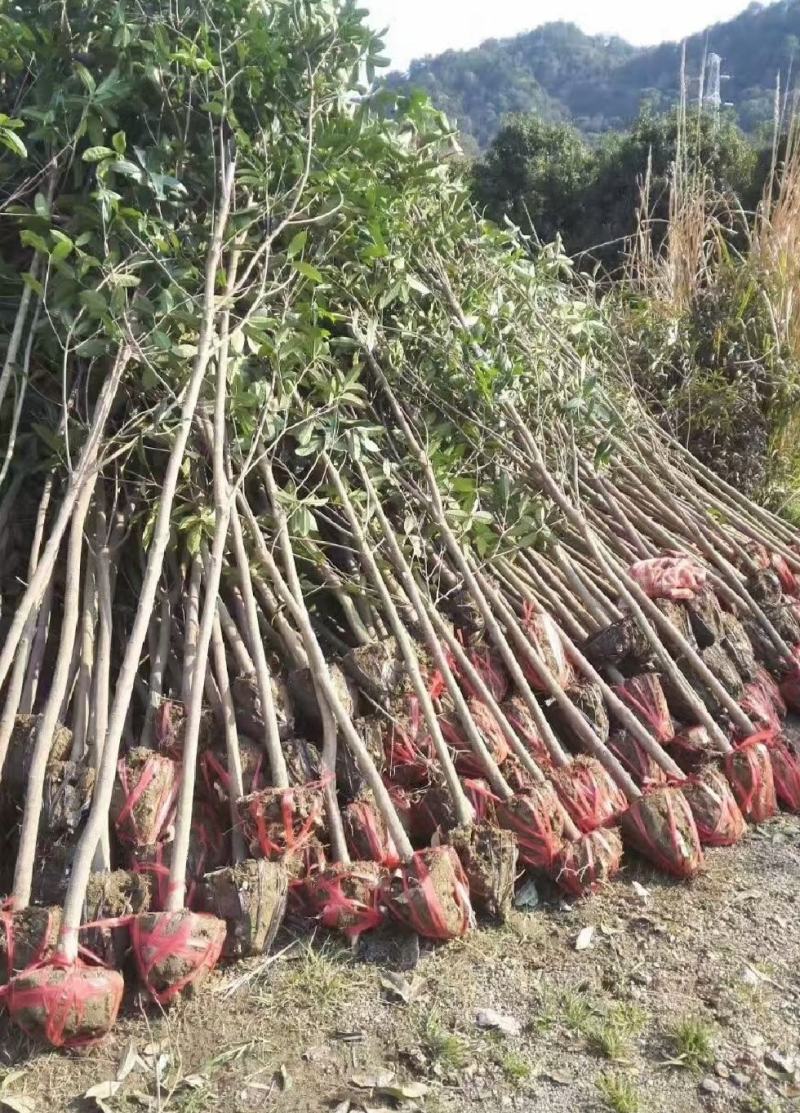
(599, 82)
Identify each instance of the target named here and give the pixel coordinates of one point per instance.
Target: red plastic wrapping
(763, 702)
(691, 748)
(480, 795)
(347, 898)
(281, 821)
(716, 814)
(537, 818)
(520, 718)
(588, 793)
(546, 639)
(67, 1005)
(645, 697)
(367, 837)
(749, 771)
(175, 949)
(467, 762)
(785, 773)
(408, 746)
(790, 685)
(430, 895)
(660, 825)
(489, 666)
(644, 769)
(145, 798)
(587, 863)
(672, 576)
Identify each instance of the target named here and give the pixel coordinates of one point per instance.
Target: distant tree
(544, 177)
(537, 175)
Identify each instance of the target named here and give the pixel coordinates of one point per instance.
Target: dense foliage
(599, 84)
(547, 181)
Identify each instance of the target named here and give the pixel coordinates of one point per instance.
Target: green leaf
(85, 77)
(308, 271)
(13, 142)
(40, 205)
(62, 250)
(97, 154)
(94, 301)
(92, 347)
(297, 244)
(119, 142)
(29, 238)
(130, 281)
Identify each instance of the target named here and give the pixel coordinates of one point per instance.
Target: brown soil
(67, 795)
(376, 668)
(488, 856)
(588, 793)
(587, 697)
(33, 933)
(716, 813)
(20, 751)
(749, 771)
(722, 950)
(140, 824)
(112, 895)
(66, 1006)
(247, 704)
(251, 898)
(642, 767)
(537, 818)
(587, 863)
(264, 824)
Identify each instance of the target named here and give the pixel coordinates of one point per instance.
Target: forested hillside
(600, 83)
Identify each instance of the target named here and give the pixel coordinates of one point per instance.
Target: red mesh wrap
(408, 746)
(767, 558)
(660, 825)
(347, 898)
(466, 761)
(430, 895)
(175, 949)
(28, 937)
(281, 821)
(546, 639)
(763, 701)
(145, 798)
(537, 818)
(525, 728)
(645, 697)
(489, 666)
(368, 839)
(480, 795)
(749, 770)
(716, 814)
(588, 793)
(785, 773)
(672, 576)
(67, 1005)
(790, 685)
(587, 863)
(691, 748)
(644, 769)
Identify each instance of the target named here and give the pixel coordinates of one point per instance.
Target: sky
(420, 27)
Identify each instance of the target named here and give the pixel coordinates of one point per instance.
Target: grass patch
(693, 1043)
(321, 979)
(442, 1046)
(618, 1093)
(515, 1068)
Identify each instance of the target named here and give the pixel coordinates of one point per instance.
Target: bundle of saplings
(341, 577)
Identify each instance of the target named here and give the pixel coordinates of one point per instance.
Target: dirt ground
(681, 998)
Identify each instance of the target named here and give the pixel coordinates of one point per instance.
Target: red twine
(143, 825)
(367, 836)
(546, 639)
(466, 760)
(66, 1004)
(537, 819)
(645, 696)
(587, 863)
(166, 941)
(716, 814)
(660, 825)
(430, 895)
(589, 794)
(749, 771)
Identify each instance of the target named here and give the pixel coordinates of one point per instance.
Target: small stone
(740, 1080)
(721, 1071)
(710, 1086)
(778, 1061)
